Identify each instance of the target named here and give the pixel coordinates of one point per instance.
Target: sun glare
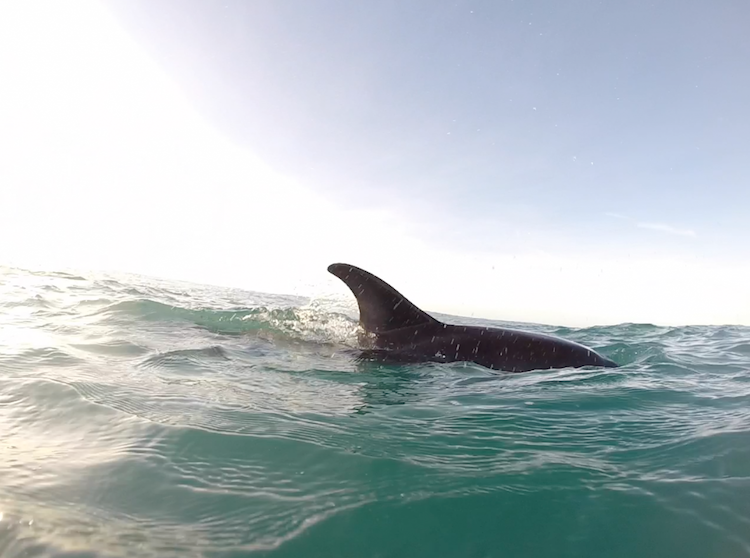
(107, 165)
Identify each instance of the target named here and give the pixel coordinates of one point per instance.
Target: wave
(312, 324)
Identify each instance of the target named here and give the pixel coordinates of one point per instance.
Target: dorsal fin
(381, 307)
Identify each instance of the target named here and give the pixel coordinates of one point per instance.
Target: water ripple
(151, 418)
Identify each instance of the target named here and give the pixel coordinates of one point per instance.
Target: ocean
(145, 417)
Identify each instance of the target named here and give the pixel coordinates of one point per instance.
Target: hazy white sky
(590, 171)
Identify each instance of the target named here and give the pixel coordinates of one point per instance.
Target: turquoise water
(152, 418)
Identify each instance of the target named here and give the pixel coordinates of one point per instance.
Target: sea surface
(142, 417)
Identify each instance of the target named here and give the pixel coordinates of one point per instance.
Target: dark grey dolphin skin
(397, 331)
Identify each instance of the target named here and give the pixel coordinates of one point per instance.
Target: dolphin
(395, 330)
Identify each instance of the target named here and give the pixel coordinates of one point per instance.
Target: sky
(572, 163)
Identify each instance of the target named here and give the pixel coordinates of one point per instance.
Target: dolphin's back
(520, 351)
(496, 348)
